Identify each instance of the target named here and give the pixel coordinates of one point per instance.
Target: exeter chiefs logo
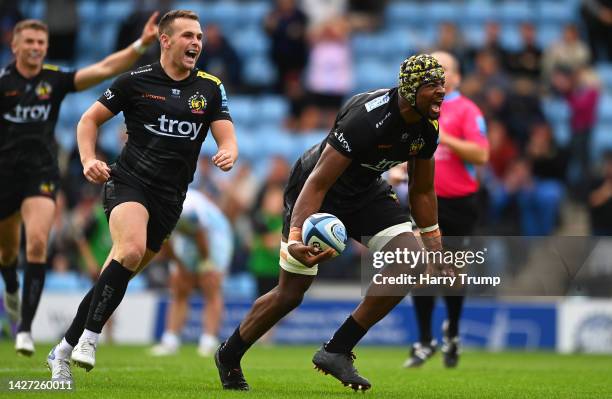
(416, 146)
(197, 104)
(47, 188)
(43, 90)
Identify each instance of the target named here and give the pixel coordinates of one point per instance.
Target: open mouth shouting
(191, 55)
(434, 108)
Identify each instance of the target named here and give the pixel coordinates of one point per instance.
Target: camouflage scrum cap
(416, 71)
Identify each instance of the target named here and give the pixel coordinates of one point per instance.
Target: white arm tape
(429, 229)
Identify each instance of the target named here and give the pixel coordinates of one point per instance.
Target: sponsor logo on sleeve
(342, 140)
(108, 94)
(141, 71)
(223, 97)
(382, 121)
(377, 102)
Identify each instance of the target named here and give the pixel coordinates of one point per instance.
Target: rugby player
(201, 250)
(342, 175)
(31, 93)
(168, 108)
(463, 144)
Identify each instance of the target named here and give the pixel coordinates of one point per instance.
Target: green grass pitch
(286, 372)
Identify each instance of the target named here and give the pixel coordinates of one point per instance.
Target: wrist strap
(429, 229)
(139, 47)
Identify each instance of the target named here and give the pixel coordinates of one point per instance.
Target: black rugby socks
(78, 323)
(454, 305)
(9, 275)
(423, 307)
(107, 295)
(33, 283)
(346, 337)
(233, 349)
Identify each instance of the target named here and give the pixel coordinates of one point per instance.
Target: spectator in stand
(522, 110)
(581, 90)
(278, 175)
(502, 150)
(487, 74)
(451, 41)
(62, 19)
(130, 28)
(600, 200)
(366, 15)
(267, 224)
(329, 76)
(527, 62)
(220, 58)
(569, 52)
(492, 45)
(320, 11)
(597, 19)
(287, 25)
(9, 16)
(535, 183)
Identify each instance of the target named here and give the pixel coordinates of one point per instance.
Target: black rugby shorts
(163, 216)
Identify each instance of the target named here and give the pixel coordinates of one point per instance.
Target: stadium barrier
(572, 325)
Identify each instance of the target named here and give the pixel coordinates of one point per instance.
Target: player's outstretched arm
(94, 170)
(328, 169)
(227, 145)
(117, 62)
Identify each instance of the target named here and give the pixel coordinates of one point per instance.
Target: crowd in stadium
(549, 169)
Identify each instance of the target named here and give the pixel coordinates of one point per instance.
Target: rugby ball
(323, 231)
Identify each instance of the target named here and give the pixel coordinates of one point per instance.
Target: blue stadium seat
(555, 109)
(441, 11)
(259, 72)
(196, 6)
(557, 11)
(402, 14)
(385, 44)
(601, 140)
(89, 11)
(515, 11)
(33, 9)
(271, 109)
(548, 33)
(474, 34)
(372, 73)
(604, 109)
(561, 131)
(255, 11)
(605, 74)
(272, 140)
(249, 43)
(478, 12)
(242, 109)
(226, 13)
(116, 10)
(510, 37)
